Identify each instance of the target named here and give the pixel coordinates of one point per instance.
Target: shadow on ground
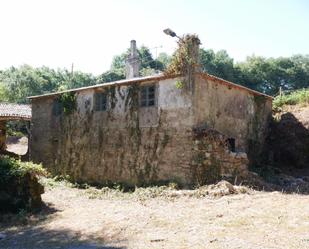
(39, 238)
(28, 231)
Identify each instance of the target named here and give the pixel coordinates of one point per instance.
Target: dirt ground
(17, 145)
(86, 219)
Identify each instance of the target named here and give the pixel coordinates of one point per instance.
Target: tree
(16, 84)
(219, 64)
(268, 75)
(149, 65)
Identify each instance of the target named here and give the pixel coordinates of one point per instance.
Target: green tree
(219, 64)
(16, 84)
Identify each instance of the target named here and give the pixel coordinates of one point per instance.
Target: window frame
(57, 108)
(99, 103)
(145, 97)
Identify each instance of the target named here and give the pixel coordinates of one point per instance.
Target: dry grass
(166, 218)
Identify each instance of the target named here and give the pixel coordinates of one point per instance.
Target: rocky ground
(217, 216)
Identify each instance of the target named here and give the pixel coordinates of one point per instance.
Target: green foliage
(219, 64)
(268, 75)
(165, 59)
(10, 167)
(16, 84)
(292, 98)
(148, 71)
(16, 128)
(179, 84)
(68, 102)
(110, 76)
(20, 189)
(262, 74)
(148, 66)
(182, 60)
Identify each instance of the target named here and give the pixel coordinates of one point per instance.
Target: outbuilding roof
(9, 111)
(154, 78)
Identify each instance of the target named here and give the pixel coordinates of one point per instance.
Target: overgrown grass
(292, 98)
(170, 191)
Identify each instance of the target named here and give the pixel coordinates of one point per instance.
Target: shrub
(292, 98)
(19, 186)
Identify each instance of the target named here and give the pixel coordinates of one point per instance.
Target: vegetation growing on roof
(184, 60)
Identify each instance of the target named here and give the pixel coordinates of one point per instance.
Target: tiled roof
(15, 111)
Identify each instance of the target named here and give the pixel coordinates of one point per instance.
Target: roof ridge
(150, 78)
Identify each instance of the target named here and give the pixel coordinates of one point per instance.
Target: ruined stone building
(147, 130)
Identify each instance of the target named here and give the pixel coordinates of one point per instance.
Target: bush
(19, 186)
(292, 98)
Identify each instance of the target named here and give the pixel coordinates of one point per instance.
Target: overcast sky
(89, 33)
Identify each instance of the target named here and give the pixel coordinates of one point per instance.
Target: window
(231, 144)
(57, 107)
(100, 102)
(148, 96)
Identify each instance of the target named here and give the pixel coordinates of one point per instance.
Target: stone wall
(234, 112)
(212, 158)
(127, 143)
(145, 145)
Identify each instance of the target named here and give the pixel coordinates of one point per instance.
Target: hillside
(289, 139)
(286, 154)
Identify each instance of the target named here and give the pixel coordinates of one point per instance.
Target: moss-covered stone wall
(147, 145)
(127, 143)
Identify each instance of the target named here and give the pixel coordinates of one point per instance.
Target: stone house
(149, 130)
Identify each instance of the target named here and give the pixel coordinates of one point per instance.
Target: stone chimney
(194, 53)
(193, 46)
(133, 62)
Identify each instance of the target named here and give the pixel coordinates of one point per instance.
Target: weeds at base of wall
(67, 181)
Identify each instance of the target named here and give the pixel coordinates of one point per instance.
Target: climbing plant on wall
(184, 59)
(68, 102)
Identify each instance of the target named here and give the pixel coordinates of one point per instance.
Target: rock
(221, 188)
(207, 155)
(241, 155)
(233, 154)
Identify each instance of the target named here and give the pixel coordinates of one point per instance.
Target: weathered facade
(150, 130)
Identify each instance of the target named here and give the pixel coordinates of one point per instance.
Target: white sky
(89, 33)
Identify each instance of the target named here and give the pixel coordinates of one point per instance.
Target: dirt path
(74, 221)
(17, 145)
